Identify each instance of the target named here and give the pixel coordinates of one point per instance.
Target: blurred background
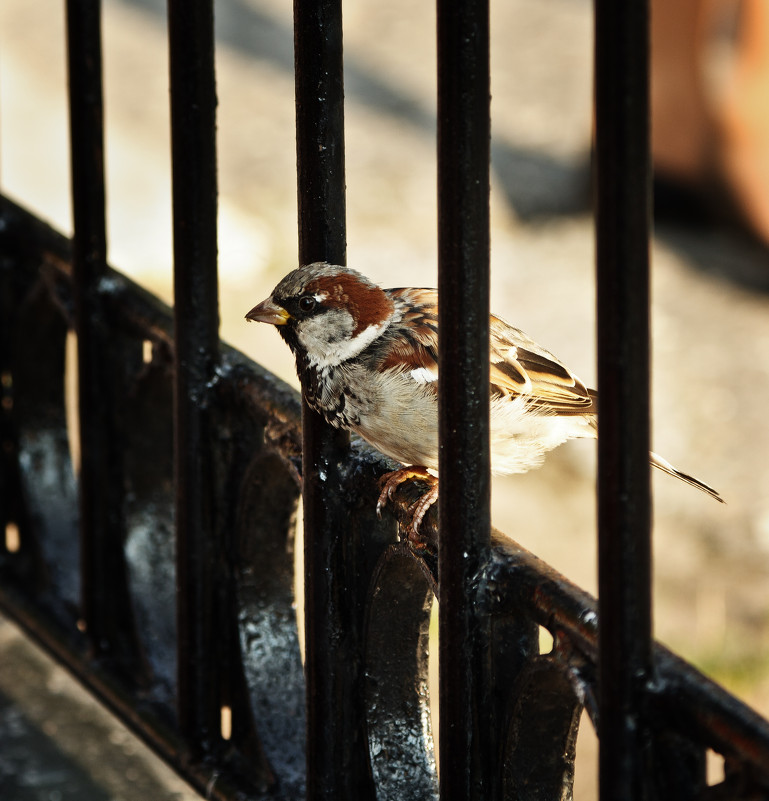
(710, 310)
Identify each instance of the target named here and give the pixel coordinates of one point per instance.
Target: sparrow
(367, 360)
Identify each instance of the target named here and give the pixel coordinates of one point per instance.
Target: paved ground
(58, 744)
(711, 331)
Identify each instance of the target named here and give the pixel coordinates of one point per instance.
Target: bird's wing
(520, 367)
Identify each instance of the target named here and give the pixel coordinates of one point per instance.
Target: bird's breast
(397, 415)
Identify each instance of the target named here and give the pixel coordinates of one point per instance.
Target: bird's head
(326, 313)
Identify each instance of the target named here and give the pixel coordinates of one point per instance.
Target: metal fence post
(463, 285)
(106, 613)
(337, 754)
(196, 336)
(624, 496)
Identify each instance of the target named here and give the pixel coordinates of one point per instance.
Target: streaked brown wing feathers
(518, 365)
(521, 367)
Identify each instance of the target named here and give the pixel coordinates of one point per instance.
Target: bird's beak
(269, 312)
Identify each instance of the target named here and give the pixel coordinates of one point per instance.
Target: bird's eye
(307, 303)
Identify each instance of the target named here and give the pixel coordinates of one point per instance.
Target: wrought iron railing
(167, 588)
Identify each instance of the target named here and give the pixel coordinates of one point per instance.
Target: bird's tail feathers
(668, 468)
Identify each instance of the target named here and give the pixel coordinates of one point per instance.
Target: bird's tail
(668, 468)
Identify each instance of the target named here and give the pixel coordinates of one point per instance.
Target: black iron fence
(162, 573)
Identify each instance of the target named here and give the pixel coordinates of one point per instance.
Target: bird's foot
(390, 483)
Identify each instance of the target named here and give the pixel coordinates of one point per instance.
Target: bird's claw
(389, 483)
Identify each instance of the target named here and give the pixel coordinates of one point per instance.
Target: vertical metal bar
(196, 325)
(463, 284)
(320, 130)
(337, 759)
(624, 497)
(105, 609)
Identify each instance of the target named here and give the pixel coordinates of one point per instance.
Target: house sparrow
(367, 359)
